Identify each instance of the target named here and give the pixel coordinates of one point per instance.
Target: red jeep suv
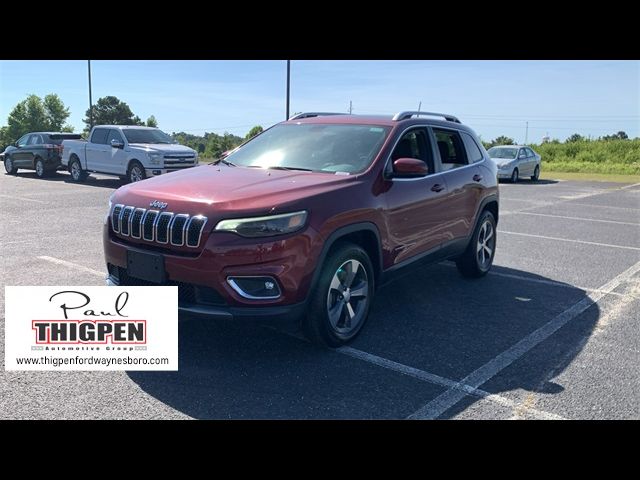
(306, 220)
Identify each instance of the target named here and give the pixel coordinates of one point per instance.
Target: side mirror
(409, 167)
(117, 143)
(17, 145)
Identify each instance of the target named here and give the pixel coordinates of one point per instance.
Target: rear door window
(100, 135)
(35, 140)
(451, 149)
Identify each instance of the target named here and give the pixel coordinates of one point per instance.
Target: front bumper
(271, 314)
(505, 172)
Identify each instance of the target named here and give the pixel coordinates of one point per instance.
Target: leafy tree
(576, 137)
(35, 114)
(617, 136)
(152, 122)
(502, 140)
(211, 145)
(111, 110)
(254, 131)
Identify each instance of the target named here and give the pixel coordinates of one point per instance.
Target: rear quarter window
(99, 135)
(474, 154)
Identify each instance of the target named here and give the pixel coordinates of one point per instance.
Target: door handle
(437, 188)
(477, 178)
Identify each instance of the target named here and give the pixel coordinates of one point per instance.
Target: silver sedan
(515, 161)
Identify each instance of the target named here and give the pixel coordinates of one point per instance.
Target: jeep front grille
(161, 227)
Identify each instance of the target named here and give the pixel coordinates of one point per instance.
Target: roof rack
(314, 114)
(404, 115)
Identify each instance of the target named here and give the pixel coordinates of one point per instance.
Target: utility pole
(526, 134)
(350, 107)
(90, 100)
(419, 106)
(288, 85)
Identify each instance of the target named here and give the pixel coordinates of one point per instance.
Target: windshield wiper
(279, 167)
(222, 160)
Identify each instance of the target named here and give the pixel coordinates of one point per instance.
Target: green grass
(621, 157)
(590, 177)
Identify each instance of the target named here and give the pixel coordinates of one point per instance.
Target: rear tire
(536, 174)
(514, 176)
(9, 166)
(340, 304)
(136, 172)
(41, 171)
(77, 173)
(477, 259)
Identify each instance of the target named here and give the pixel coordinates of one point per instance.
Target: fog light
(157, 172)
(255, 288)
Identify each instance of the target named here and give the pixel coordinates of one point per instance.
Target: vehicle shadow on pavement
(91, 181)
(540, 181)
(431, 319)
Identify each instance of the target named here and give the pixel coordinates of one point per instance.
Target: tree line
(49, 114)
(576, 137)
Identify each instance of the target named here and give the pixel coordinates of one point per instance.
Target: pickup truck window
(114, 135)
(142, 135)
(99, 135)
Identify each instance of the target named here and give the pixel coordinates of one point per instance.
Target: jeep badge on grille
(158, 204)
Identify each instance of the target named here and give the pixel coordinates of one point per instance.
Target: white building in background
(546, 138)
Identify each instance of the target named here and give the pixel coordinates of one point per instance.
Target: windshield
(320, 148)
(509, 153)
(140, 135)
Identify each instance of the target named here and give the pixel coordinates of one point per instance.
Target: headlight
(504, 165)
(264, 226)
(106, 217)
(155, 158)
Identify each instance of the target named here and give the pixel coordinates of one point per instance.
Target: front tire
(75, 169)
(477, 259)
(136, 172)
(340, 305)
(536, 174)
(514, 176)
(9, 166)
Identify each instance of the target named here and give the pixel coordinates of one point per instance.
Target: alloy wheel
(136, 174)
(39, 168)
(347, 298)
(75, 170)
(486, 245)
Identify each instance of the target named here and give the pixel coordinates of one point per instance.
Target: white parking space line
(75, 266)
(606, 206)
(22, 199)
(579, 218)
(445, 382)
(448, 399)
(428, 377)
(569, 240)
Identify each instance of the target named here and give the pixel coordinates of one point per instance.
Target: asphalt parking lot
(551, 333)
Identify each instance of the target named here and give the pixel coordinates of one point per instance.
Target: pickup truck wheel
(136, 172)
(75, 169)
(477, 259)
(41, 171)
(342, 298)
(9, 166)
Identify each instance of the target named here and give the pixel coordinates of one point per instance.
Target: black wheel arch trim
(336, 236)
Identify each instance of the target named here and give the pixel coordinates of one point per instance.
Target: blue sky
(493, 97)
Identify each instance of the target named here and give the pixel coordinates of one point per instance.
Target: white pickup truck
(130, 152)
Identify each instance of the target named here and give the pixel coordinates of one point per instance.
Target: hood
(501, 161)
(216, 190)
(164, 147)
